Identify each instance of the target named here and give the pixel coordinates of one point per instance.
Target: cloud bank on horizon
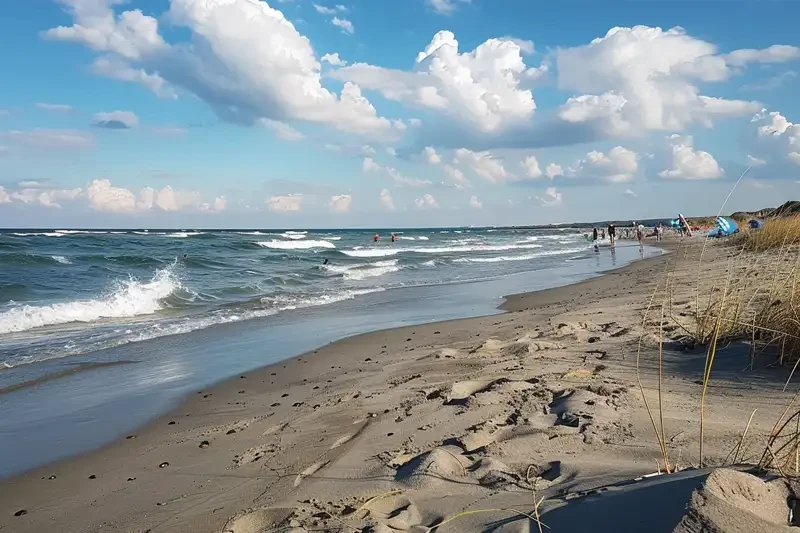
(288, 112)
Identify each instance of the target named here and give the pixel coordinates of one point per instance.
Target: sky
(388, 113)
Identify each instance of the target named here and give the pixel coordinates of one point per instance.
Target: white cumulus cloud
(553, 170)
(619, 165)
(245, 59)
(45, 197)
(481, 87)
(426, 202)
(778, 136)
(475, 203)
(531, 166)
(689, 163)
(333, 60)
(430, 155)
(345, 25)
(551, 198)
(285, 203)
(340, 203)
(115, 68)
(387, 202)
(484, 164)
(643, 78)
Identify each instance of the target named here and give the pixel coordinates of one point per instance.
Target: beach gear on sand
(725, 227)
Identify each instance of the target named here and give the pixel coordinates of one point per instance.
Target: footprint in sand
(256, 453)
(259, 520)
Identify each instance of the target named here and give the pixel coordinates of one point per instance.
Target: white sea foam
(387, 252)
(80, 232)
(61, 259)
(363, 271)
(40, 234)
(295, 245)
(290, 302)
(293, 235)
(523, 257)
(184, 234)
(422, 238)
(126, 298)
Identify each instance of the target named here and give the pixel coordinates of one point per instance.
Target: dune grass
(776, 233)
(762, 298)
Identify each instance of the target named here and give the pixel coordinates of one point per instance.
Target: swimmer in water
(325, 262)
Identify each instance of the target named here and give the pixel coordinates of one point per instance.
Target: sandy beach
(403, 429)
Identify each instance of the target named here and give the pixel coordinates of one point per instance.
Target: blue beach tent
(756, 224)
(725, 227)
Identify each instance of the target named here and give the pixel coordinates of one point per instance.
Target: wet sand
(401, 429)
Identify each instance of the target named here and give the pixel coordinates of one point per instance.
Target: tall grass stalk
(712, 351)
(705, 241)
(659, 436)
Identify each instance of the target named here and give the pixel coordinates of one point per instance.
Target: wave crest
(127, 298)
(295, 244)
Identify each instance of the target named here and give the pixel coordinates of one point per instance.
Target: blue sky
(232, 113)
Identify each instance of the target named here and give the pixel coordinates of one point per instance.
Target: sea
(101, 330)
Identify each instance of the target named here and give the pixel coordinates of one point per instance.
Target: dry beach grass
(550, 417)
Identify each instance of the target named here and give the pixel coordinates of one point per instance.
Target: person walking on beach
(612, 233)
(594, 235)
(603, 234)
(640, 234)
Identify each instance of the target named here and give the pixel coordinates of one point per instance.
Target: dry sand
(401, 429)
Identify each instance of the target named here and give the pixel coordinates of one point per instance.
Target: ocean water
(101, 331)
(65, 293)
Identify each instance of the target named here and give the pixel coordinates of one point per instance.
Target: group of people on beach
(636, 230)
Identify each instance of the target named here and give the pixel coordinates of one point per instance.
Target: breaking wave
(524, 257)
(126, 298)
(387, 252)
(295, 245)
